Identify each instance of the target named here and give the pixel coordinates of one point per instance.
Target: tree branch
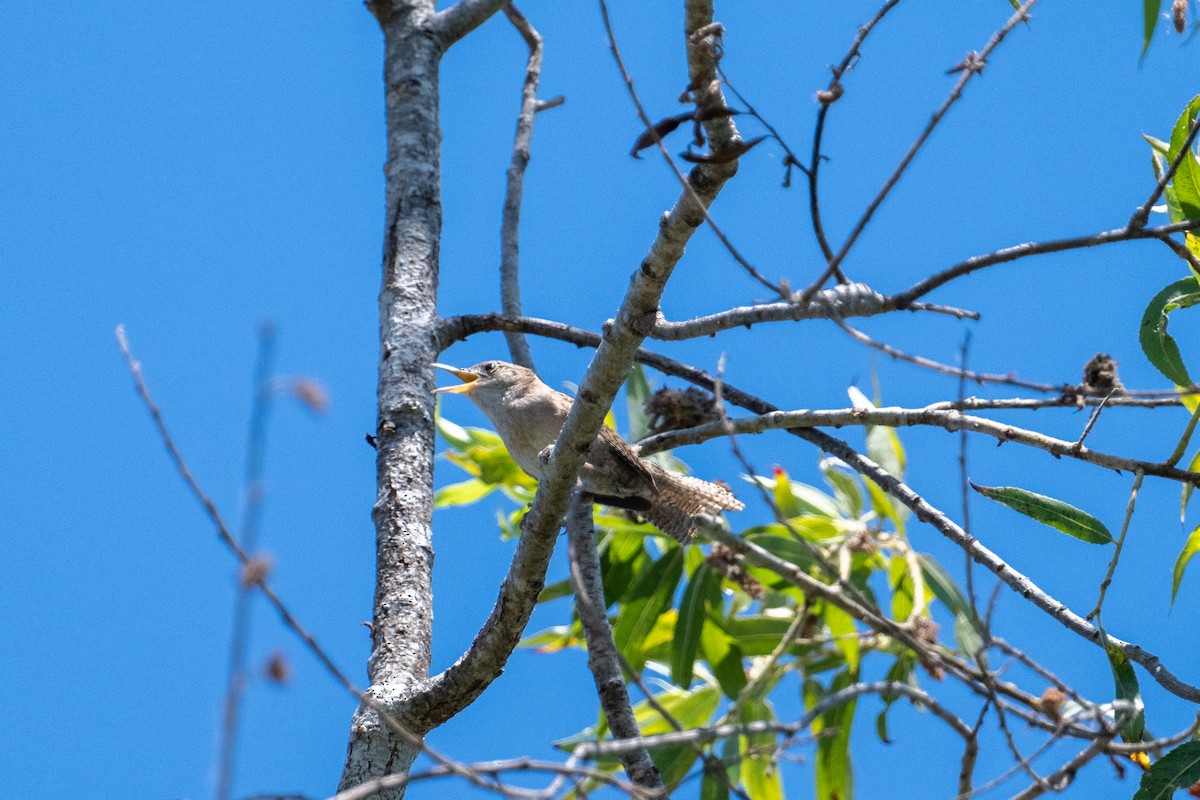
(461, 18)
(510, 226)
(845, 300)
(973, 65)
(603, 660)
(839, 698)
(905, 417)
(1126, 234)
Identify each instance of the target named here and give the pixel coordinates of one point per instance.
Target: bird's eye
(489, 367)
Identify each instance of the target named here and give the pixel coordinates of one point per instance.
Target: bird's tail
(681, 498)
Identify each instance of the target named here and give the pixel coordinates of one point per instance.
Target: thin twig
(726, 133)
(1007, 254)
(977, 62)
(510, 225)
(252, 504)
(946, 369)
(223, 533)
(828, 98)
(1116, 556)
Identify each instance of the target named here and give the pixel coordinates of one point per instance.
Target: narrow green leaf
(1150, 9)
(1016, 4)
(1178, 769)
(901, 583)
(834, 771)
(703, 592)
(757, 634)
(845, 487)
(714, 785)
(462, 494)
(1055, 513)
(845, 636)
(1193, 466)
(1127, 688)
(650, 596)
(1157, 344)
(724, 658)
(1190, 548)
(554, 591)
(901, 670)
(637, 394)
(759, 773)
(1158, 146)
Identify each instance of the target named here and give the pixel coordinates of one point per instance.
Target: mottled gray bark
(414, 41)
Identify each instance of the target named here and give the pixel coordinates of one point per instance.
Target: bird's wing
(627, 456)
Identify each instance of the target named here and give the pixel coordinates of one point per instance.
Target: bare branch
(602, 650)
(716, 733)
(510, 226)
(252, 504)
(1126, 234)
(946, 369)
(461, 18)
(976, 63)
(827, 98)
(702, 64)
(904, 417)
(846, 300)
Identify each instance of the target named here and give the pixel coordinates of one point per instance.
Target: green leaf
(901, 670)
(637, 394)
(554, 591)
(1190, 548)
(845, 636)
(1186, 184)
(834, 771)
(845, 487)
(796, 499)
(714, 785)
(702, 593)
(757, 634)
(462, 494)
(1150, 9)
(759, 773)
(1193, 466)
(1127, 689)
(1157, 344)
(724, 657)
(650, 596)
(1178, 769)
(622, 556)
(1055, 513)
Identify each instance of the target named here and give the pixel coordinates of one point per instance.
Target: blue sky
(191, 170)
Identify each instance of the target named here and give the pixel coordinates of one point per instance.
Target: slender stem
(252, 504)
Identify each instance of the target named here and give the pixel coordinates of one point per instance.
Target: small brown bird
(529, 415)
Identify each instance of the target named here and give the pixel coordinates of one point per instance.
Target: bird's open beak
(467, 378)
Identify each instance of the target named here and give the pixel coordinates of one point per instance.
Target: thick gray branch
(403, 512)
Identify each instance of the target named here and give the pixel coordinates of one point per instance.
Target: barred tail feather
(680, 498)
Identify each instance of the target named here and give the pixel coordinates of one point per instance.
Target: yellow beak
(467, 379)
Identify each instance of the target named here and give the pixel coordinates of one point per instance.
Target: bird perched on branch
(529, 415)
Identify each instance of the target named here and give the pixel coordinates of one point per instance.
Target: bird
(528, 415)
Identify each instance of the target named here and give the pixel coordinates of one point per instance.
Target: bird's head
(487, 381)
